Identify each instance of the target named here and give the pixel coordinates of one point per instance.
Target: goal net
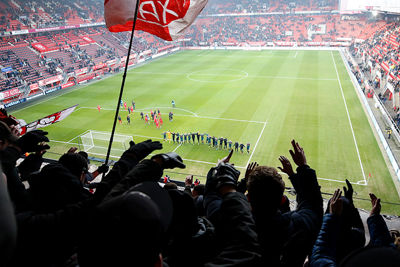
(96, 143)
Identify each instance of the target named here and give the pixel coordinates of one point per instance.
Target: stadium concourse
(66, 212)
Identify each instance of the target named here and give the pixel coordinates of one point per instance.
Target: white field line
(255, 146)
(105, 148)
(99, 154)
(238, 76)
(172, 73)
(193, 160)
(176, 147)
(85, 132)
(186, 110)
(185, 115)
(62, 142)
(69, 141)
(142, 109)
(149, 137)
(348, 116)
(295, 55)
(139, 109)
(332, 180)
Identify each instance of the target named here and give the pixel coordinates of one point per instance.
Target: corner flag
(166, 19)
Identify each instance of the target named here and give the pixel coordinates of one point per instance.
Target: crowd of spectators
(54, 215)
(75, 53)
(284, 27)
(379, 58)
(25, 67)
(20, 14)
(383, 48)
(246, 6)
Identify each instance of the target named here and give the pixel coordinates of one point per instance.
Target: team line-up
(211, 141)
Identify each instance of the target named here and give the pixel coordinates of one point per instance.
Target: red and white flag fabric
(46, 121)
(166, 19)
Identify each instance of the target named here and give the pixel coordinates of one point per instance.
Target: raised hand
(242, 185)
(222, 175)
(348, 192)
(189, 180)
(286, 166)
(226, 159)
(169, 160)
(14, 130)
(250, 168)
(143, 149)
(297, 154)
(72, 150)
(33, 141)
(103, 168)
(336, 203)
(376, 205)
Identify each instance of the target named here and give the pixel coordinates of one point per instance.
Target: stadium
(241, 76)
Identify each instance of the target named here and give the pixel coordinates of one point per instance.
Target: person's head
(184, 220)
(198, 190)
(265, 189)
(55, 187)
(132, 227)
(76, 164)
(85, 155)
(170, 186)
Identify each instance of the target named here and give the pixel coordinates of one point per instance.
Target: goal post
(87, 140)
(96, 143)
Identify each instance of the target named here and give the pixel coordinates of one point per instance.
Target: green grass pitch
(266, 98)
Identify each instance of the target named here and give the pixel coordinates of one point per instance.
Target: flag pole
(122, 84)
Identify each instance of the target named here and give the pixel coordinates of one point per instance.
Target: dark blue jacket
(324, 251)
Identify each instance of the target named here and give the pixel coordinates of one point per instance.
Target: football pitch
(265, 98)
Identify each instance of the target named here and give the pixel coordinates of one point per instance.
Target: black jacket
(48, 239)
(237, 243)
(288, 238)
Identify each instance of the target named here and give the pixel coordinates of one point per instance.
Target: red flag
(166, 19)
(46, 121)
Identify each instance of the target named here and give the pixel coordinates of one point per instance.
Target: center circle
(217, 75)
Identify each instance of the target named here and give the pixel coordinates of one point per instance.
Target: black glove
(143, 149)
(31, 141)
(171, 160)
(348, 193)
(103, 168)
(223, 174)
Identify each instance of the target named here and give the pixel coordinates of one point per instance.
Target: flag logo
(162, 13)
(166, 19)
